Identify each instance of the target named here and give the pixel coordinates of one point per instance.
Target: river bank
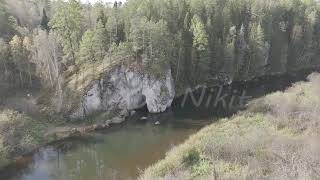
(274, 138)
(21, 135)
(49, 131)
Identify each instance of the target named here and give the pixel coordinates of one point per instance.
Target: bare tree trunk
(50, 76)
(30, 77)
(151, 47)
(110, 48)
(143, 39)
(21, 80)
(178, 68)
(93, 70)
(60, 94)
(5, 70)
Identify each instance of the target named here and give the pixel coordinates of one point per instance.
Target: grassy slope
(275, 138)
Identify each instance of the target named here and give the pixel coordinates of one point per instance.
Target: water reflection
(124, 151)
(117, 154)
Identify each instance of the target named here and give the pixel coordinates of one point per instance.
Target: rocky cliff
(125, 89)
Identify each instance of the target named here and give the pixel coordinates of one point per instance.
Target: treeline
(203, 41)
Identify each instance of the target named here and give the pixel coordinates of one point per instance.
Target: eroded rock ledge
(125, 89)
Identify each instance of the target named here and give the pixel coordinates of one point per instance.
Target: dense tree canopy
(67, 23)
(201, 40)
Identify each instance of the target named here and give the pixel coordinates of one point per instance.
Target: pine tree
(200, 37)
(101, 41)
(138, 34)
(112, 28)
(101, 17)
(87, 54)
(200, 46)
(158, 45)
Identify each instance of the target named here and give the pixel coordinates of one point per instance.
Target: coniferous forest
(72, 71)
(203, 41)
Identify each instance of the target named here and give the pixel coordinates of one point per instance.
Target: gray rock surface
(125, 90)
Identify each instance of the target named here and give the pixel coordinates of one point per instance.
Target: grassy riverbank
(19, 134)
(275, 138)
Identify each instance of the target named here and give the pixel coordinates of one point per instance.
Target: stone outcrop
(125, 90)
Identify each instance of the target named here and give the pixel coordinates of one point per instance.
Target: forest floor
(277, 137)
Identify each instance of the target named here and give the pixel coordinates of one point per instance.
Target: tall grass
(275, 138)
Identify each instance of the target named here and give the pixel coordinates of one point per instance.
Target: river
(125, 150)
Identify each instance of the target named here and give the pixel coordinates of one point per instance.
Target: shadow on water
(225, 100)
(118, 153)
(123, 151)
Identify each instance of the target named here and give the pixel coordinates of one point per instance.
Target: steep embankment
(19, 134)
(122, 89)
(276, 138)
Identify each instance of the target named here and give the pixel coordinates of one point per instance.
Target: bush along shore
(275, 138)
(21, 134)
(18, 134)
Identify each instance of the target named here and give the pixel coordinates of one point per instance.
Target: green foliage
(101, 16)
(191, 158)
(5, 27)
(3, 18)
(200, 40)
(112, 29)
(16, 47)
(101, 41)
(254, 143)
(67, 23)
(201, 169)
(94, 45)
(152, 44)
(87, 54)
(20, 134)
(201, 48)
(240, 39)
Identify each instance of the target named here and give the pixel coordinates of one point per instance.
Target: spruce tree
(101, 41)
(87, 54)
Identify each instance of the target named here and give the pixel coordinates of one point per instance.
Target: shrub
(192, 157)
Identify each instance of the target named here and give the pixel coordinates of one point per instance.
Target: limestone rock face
(124, 89)
(158, 93)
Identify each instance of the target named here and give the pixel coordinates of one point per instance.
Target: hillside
(275, 138)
